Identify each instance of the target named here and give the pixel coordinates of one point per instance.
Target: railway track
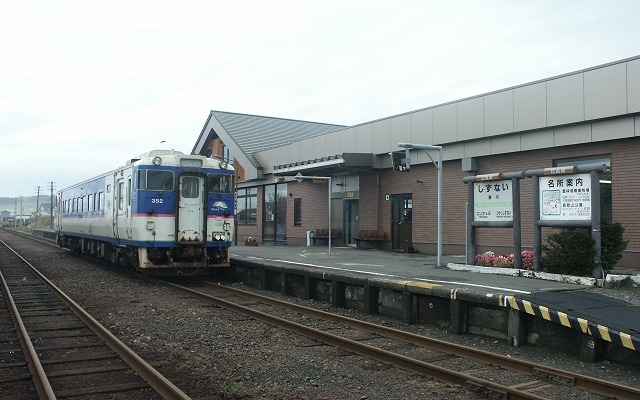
(52, 348)
(489, 375)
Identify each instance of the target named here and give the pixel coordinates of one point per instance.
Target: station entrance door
(401, 224)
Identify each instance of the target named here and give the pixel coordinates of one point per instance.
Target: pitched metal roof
(253, 133)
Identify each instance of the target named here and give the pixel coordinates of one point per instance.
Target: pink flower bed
(490, 259)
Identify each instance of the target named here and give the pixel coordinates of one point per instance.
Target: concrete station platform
(413, 288)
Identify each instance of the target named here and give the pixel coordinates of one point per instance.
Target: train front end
(183, 214)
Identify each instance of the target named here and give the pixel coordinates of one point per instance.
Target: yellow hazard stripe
(545, 313)
(528, 307)
(513, 303)
(564, 319)
(604, 333)
(584, 325)
(626, 341)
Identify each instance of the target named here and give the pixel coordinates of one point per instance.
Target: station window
(247, 206)
(297, 212)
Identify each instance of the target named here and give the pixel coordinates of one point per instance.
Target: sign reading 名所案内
(565, 197)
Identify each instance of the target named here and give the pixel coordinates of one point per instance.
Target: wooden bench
(324, 234)
(373, 236)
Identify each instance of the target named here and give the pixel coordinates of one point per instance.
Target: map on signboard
(492, 201)
(551, 202)
(565, 197)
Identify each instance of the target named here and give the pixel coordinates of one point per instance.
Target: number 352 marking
(156, 201)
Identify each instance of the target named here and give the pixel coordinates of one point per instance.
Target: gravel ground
(219, 354)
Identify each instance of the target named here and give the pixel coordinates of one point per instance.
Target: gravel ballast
(219, 354)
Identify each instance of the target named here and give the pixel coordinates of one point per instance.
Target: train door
(191, 215)
(401, 227)
(122, 208)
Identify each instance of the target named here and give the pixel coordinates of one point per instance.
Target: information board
(565, 197)
(492, 201)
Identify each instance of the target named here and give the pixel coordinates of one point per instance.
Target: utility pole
(37, 205)
(51, 187)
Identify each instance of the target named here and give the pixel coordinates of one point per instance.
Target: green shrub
(570, 251)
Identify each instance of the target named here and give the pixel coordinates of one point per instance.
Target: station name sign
(492, 199)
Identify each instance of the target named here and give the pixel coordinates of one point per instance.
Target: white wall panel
(319, 145)
(400, 127)
(381, 136)
(536, 140)
(333, 142)
(565, 100)
(612, 129)
(505, 144)
(348, 140)
(445, 129)
(530, 107)
(572, 135)
(605, 91)
(498, 113)
(422, 127)
(364, 138)
(633, 86)
(294, 152)
(452, 151)
(477, 148)
(470, 116)
(306, 150)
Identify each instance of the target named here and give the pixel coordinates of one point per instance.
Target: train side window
(120, 196)
(90, 205)
(100, 200)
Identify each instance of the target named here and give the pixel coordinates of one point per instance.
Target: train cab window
(190, 187)
(220, 183)
(155, 180)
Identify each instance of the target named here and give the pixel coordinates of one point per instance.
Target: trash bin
(309, 238)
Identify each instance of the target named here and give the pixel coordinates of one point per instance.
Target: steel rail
(482, 386)
(148, 373)
(567, 378)
(38, 375)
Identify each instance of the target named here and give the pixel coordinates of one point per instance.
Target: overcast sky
(86, 85)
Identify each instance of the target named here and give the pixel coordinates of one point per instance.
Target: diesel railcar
(163, 213)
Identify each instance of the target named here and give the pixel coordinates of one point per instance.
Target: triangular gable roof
(246, 135)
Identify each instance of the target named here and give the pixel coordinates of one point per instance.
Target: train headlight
(156, 160)
(223, 164)
(150, 225)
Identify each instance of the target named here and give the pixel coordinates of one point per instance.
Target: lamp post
(299, 177)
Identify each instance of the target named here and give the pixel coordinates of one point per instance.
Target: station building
(583, 117)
